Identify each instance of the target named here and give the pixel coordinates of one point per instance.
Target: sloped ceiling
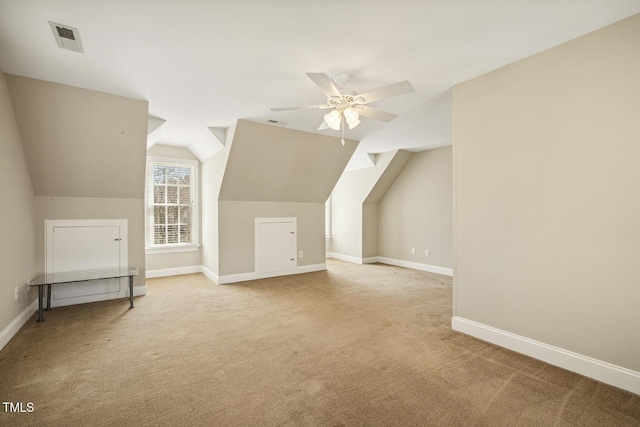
(270, 163)
(79, 142)
(204, 64)
(393, 167)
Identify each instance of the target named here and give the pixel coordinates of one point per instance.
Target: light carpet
(357, 345)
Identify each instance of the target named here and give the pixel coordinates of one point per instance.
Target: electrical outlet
(426, 252)
(17, 292)
(413, 251)
(339, 244)
(300, 254)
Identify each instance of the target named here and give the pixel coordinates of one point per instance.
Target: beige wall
(17, 246)
(86, 153)
(161, 261)
(416, 212)
(79, 142)
(547, 194)
(267, 171)
(237, 232)
(213, 170)
(275, 164)
(369, 230)
(354, 205)
(346, 213)
(94, 208)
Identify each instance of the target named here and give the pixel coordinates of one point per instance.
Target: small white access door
(77, 245)
(276, 244)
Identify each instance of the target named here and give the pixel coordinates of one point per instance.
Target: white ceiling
(208, 63)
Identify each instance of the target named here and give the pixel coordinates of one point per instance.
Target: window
(327, 219)
(172, 208)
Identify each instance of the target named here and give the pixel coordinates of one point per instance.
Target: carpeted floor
(355, 345)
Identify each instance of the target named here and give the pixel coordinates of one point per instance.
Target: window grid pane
(172, 205)
(184, 197)
(159, 193)
(159, 172)
(172, 194)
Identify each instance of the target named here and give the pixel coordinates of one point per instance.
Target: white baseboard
(229, 278)
(417, 266)
(343, 257)
(352, 259)
(17, 323)
(391, 261)
(235, 278)
(211, 275)
(244, 277)
(310, 268)
(139, 291)
(608, 373)
(150, 274)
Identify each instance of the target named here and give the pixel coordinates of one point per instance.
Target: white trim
(169, 249)
(416, 266)
(139, 291)
(210, 274)
(50, 225)
(343, 257)
(244, 277)
(240, 277)
(608, 373)
(310, 268)
(229, 278)
(176, 271)
(194, 165)
(288, 220)
(328, 219)
(398, 262)
(17, 323)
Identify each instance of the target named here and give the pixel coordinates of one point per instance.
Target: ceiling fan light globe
(333, 119)
(350, 114)
(353, 123)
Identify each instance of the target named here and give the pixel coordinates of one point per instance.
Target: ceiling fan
(349, 107)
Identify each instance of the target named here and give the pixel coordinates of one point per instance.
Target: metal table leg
(40, 302)
(130, 292)
(49, 287)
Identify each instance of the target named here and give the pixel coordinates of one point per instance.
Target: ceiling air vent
(67, 37)
(276, 122)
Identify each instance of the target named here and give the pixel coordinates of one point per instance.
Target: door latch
(117, 240)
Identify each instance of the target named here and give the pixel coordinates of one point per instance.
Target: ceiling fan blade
(323, 126)
(374, 113)
(316, 107)
(385, 92)
(324, 83)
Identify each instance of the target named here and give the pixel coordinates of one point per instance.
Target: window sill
(171, 249)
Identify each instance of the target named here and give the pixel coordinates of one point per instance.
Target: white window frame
(150, 246)
(327, 219)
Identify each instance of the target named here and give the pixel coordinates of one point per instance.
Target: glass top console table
(49, 280)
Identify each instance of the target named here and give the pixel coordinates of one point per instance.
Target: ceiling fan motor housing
(341, 79)
(344, 101)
